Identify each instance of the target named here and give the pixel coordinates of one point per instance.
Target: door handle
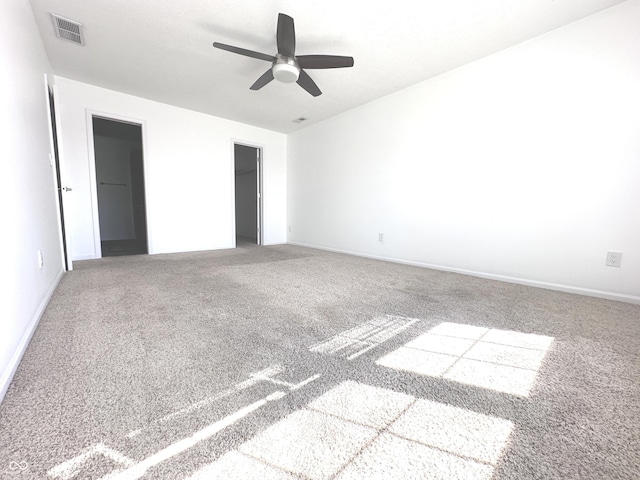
(67, 189)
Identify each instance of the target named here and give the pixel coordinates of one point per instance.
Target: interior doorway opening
(120, 187)
(248, 201)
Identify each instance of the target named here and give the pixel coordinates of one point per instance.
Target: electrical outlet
(614, 259)
(381, 237)
(40, 259)
(289, 228)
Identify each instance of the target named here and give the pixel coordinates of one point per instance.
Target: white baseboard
(10, 371)
(502, 278)
(79, 258)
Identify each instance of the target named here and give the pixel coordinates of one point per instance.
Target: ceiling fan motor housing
(285, 69)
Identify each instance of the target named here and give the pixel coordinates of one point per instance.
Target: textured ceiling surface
(162, 49)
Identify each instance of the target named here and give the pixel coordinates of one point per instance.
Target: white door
(62, 189)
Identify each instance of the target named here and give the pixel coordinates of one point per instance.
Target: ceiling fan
(285, 65)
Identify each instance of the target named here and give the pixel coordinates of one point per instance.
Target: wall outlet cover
(614, 259)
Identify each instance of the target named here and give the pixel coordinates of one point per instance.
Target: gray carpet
(284, 362)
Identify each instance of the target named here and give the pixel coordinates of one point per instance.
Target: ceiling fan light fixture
(285, 66)
(285, 72)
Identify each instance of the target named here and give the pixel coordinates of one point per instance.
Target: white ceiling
(162, 49)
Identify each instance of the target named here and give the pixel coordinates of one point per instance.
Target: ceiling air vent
(67, 29)
(299, 120)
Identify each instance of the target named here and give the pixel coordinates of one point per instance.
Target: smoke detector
(68, 30)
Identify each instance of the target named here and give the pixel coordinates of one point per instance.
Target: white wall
(28, 195)
(522, 166)
(189, 173)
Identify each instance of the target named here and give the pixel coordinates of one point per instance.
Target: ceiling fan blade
(324, 61)
(245, 52)
(263, 80)
(286, 36)
(305, 81)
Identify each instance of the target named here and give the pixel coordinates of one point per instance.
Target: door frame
(95, 215)
(259, 184)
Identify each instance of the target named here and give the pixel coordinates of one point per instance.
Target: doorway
(120, 187)
(248, 183)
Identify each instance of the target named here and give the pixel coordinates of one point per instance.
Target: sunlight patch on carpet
(359, 431)
(364, 337)
(116, 466)
(140, 469)
(500, 360)
(94, 456)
